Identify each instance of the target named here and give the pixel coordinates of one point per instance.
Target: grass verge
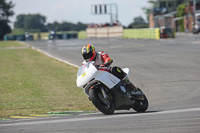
(6, 44)
(32, 83)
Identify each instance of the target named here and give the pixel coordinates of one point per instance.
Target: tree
(31, 22)
(20, 21)
(5, 13)
(66, 26)
(80, 26)
(4, 28)
(181, 13)
(138, 22)
(53, 25)
(148, 10)
(36, 23)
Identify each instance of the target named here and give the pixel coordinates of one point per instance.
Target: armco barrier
(145, 33)
(17, 37)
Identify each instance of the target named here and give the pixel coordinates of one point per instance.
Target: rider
(101, 59)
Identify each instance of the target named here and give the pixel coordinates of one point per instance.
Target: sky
(79, 10)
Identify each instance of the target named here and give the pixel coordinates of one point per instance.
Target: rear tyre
(106, 106)
(141, 105)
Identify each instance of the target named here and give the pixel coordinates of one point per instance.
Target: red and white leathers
(101, 59)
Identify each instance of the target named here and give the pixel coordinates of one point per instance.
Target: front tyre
(105, 105)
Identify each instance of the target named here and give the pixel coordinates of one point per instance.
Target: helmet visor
(87, 56)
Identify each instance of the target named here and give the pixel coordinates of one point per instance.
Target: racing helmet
(88, 52)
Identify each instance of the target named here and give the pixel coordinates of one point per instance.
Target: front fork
(106, 98)
(104, 93)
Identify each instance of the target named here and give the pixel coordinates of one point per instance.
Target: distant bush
(181, 13)
(18, 31)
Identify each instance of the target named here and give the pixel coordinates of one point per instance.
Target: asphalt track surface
(168, 71)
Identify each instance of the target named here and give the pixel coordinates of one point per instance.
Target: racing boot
(129, 84)
(134, 91)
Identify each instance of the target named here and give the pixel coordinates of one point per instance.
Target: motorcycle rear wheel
(99, 102)
(141, 105)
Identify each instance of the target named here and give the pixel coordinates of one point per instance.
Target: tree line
(37, 23)
(5, 12)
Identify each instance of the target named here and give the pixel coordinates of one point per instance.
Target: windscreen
(82, 69)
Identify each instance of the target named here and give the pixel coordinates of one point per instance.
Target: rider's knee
(118, 72)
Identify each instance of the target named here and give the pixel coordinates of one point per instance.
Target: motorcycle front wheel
(105, 105)
(141, 105)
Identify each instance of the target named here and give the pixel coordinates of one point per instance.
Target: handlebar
(100, 67)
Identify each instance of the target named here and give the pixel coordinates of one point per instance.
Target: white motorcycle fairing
(107, 92)
(88, 73)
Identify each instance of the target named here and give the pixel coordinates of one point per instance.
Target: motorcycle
(107, 92)
(52, 35)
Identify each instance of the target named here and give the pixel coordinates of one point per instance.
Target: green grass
(31, 82)
(4, 44)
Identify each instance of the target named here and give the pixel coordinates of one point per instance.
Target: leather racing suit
(101, 59)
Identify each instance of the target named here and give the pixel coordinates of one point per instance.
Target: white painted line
(100, 117)
(61, 60)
